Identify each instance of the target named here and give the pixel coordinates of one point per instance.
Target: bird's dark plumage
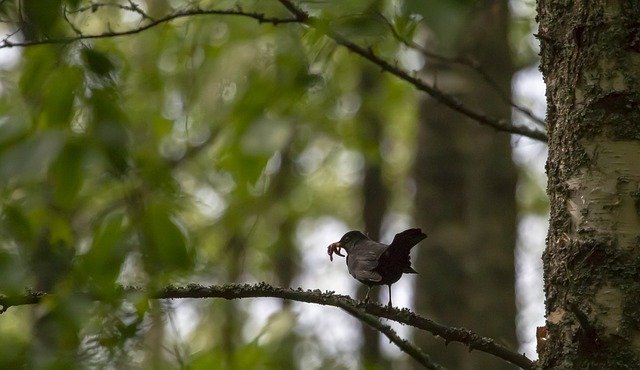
(374, 263)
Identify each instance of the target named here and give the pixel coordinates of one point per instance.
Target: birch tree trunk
(591, 65)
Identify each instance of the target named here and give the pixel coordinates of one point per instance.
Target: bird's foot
(366, 297)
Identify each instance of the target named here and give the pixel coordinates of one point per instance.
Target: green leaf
(16, 224)
(365, 27)
(58, 94)
(41, 17)
(108, 128)
(29, 160)
(108, 250)
(49, 86)
(165, 246)
(66, 174)
(61, 233)
(446, 18)
(97, 62)
(12, 273)
(73, 3)
(406, 26)
(38, 64)
(14, 349)
(11, 131)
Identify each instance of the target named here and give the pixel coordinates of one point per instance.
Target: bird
(373, 263)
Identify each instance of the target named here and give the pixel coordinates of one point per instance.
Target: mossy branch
(368, 313)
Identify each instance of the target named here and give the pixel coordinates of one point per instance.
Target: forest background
(150, 143)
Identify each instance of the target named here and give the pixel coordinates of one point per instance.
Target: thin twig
(237, 291)
(472, 340)
(260, 17)
(466, 62)
(93, 7)
(445, 99)
(301, 16)
(404, 345)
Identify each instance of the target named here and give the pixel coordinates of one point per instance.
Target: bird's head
(347, 242)
(349, 239)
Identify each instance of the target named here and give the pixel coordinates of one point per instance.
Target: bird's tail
(404, 241)
(409, 270)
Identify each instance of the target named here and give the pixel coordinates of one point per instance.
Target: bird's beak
(334, 248)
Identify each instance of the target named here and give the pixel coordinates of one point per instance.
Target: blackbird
(374, 263)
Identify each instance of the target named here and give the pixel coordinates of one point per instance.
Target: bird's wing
(363, 259)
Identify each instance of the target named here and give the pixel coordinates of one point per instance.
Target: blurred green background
(217, 149)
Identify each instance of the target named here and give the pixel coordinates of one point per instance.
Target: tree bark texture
(466, 199)
(591, 66)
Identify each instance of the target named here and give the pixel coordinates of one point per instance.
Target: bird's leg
(390, 305)
(366, 297)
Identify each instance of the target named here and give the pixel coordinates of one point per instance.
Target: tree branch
(404, 345)
(443, 98)
(467, 337)
(6, 43)
(301, 16)
(468, 63)
(239, 291)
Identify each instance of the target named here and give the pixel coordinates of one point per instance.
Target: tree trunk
(590, 59)
(465, 199)
(374, 202)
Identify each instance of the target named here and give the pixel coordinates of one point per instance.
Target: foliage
(190, 151)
